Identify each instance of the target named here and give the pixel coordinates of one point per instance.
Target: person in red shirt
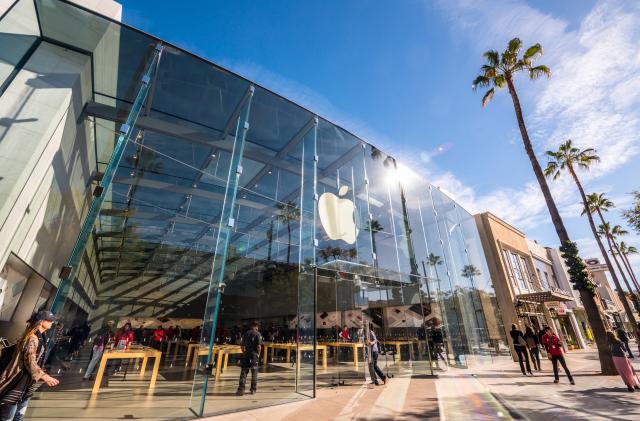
(158, 334)
(344, 334)
(552, 343)
(123, 338)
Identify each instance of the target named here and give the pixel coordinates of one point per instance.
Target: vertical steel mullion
(126, 131)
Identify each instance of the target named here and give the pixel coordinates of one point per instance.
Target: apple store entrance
(209, 203)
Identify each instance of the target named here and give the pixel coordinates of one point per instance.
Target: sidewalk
(594, 397)
(498, 392)
(402, 399)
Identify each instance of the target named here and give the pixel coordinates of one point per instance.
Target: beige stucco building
(526, 281)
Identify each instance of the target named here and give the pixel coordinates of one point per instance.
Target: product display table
(144, 353)
(191, 347)
(182, 343)
(292, 347)
(398, 344)
(352, 345)
(221, 352)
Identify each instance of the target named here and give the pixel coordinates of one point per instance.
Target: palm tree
(470, 272)
(499, 71)
(625, 251)
(568, 157)
(632, 215)
(289, 212)
(616, 232)
(605, 230)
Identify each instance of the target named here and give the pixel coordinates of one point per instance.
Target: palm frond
(532, 52)
(489, 71)
(514, 46)
(552, 169)
(488, 96)
(493, 58)
(480, 81)
(538, 71)
(500, 81)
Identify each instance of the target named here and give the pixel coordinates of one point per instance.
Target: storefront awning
(544, 296)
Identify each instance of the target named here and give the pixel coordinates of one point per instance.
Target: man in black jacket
(251, 347)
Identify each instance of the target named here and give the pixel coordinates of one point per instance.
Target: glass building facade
(204, 202)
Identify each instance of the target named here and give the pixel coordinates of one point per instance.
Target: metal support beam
(126, 131)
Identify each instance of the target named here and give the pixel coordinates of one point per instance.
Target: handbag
(521, 341)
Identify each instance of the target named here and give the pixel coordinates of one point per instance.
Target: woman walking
(533, 343)
(520, 345)
(19, 379)
(552, 343)
(622, 363)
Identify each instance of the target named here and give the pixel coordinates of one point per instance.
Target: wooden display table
(398, 344)
(182, 343)
(222, 352)
(191, 347)
(352, 345)
(293, 346)
(117, 354)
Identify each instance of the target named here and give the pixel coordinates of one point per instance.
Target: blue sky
(398, 74)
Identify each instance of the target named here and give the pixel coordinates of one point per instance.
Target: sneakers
(572, 382)
(384, 380)
(636, 387)
(630, 389)
(556, 381)
(239, 392)
(253, 391)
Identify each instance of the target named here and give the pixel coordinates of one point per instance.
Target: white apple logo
(337, 216)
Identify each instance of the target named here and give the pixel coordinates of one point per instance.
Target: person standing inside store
(124, 337)
(373, 364)
(100, 341)
(533, 343)
(552, 343)
(520, 346)
(251, 348)
(20, 378)
(624, 338)
(623, 365)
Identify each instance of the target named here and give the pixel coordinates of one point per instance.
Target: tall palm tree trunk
(591, 308)
(558, 224)
(612, 245)
(619, 289)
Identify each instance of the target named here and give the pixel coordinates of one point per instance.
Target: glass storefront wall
(232, 205)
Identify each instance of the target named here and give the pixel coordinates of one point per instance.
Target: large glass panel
(18, 33)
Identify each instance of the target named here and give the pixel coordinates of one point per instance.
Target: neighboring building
(575, 306)
(229, 204)
(609, 299)
(561, 311)
(527, 288)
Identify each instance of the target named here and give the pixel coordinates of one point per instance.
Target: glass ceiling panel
(274, 121)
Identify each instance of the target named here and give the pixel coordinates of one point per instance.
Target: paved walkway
(498, 392)
(401, 399)
(594, 397)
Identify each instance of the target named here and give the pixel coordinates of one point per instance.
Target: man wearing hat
(19, 379)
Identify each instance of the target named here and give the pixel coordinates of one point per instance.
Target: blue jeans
(95, 359)
(13, 412)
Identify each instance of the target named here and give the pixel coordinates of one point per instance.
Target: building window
(528, 276)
